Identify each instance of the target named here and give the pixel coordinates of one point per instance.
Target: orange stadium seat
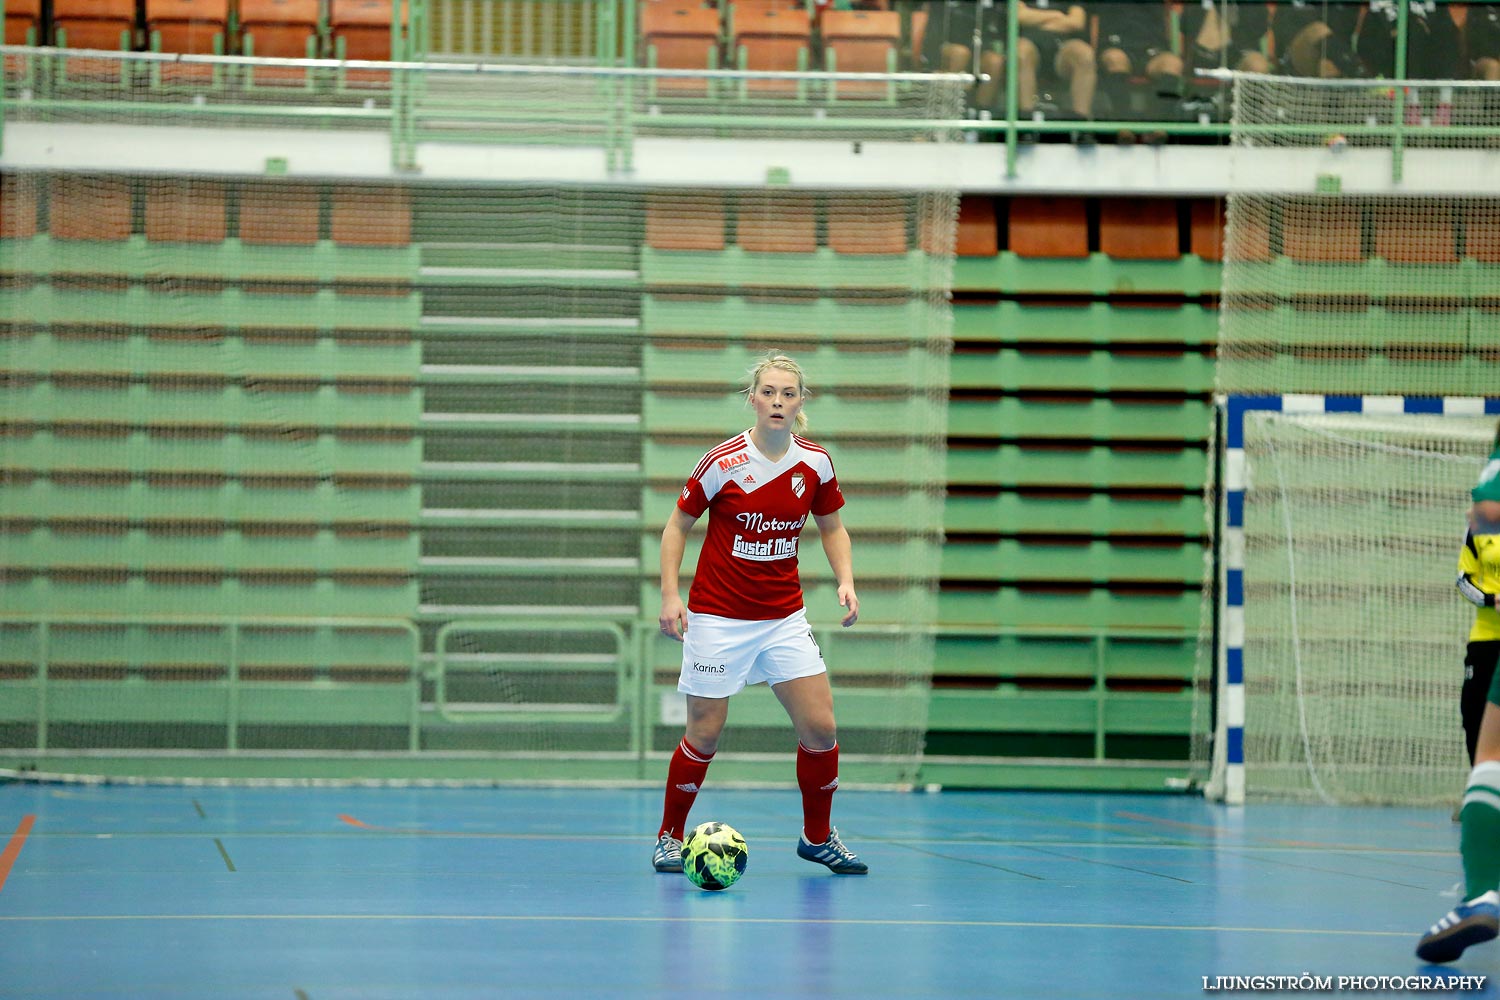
(23, 26)
(1481, 232)
(773, 39)
(1411, 234)
(23, 19)
(18, 204)
(94, 24)
(978, 232)
(680, 35)
(853, 228)
(1206, 234)
(1322, 233)
(371, 216)
(861, 41)
(279, 213)
(777, 222)
(361, 29)
(1139, 228)
(1049, 227)
(1250, 242)
(183, 211)
(279, 29)
(89, 208)
(685, 221)
(192, 26)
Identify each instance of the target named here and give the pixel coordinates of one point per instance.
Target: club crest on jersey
(725, 464)
(799, 483)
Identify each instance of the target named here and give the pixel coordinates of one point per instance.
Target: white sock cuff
(1487, 773)
(693, 755)
(1484, 785)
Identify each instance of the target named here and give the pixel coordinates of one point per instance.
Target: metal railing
(42, 685)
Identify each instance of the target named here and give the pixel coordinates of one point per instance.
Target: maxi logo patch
(799, 483)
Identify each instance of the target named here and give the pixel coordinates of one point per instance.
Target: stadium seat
(1138, 228)
(685, 221)
(978, 232)
(1423, 233)
(977, 235)
(854, 229)
(680, 35)
(1049, 227)
(861, 41)
(186, 211)
(23, 20)
(1206, 237)
(1481, 232)
(361, 29)
(190, 26)
(777, 222)
(89, 208)
(18, 203)
(281, 29)
(279, 213)
(371, 216)
(23, 26)
(94, 24)
(1250, 242)
(1322, 233)
(773, 39)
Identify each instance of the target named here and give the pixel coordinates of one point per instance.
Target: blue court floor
(318, 893)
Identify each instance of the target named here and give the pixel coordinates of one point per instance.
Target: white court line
(790, 921)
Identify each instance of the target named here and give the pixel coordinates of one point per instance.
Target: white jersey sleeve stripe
(732, 445)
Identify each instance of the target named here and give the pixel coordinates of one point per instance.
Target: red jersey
(756, 510)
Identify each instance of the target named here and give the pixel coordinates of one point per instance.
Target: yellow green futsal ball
(714, 856)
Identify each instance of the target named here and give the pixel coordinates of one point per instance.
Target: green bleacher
(210, 499)
(353, 438)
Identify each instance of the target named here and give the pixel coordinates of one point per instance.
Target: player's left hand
(848, 600)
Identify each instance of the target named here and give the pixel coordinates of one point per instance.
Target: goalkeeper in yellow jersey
(1477, 918)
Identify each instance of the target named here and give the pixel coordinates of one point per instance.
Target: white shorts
(722, 655)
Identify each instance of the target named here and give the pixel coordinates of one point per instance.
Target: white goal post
(1340, 634)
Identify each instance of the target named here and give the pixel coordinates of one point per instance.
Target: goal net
(1362, 242)
(1343, 619)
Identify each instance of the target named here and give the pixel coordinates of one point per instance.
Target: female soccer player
(1478, 917)
(744, 622)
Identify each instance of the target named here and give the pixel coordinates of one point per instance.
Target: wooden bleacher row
(774, 35)
(300, 29)
(781, 222)
(1028, 226)
(1346, 231)
(261, 213)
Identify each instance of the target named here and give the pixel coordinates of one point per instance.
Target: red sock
(684, 775)
(818, 777)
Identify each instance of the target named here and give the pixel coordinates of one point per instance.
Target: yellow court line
(523, 918)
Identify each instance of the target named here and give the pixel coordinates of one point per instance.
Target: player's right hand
(673, 618)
